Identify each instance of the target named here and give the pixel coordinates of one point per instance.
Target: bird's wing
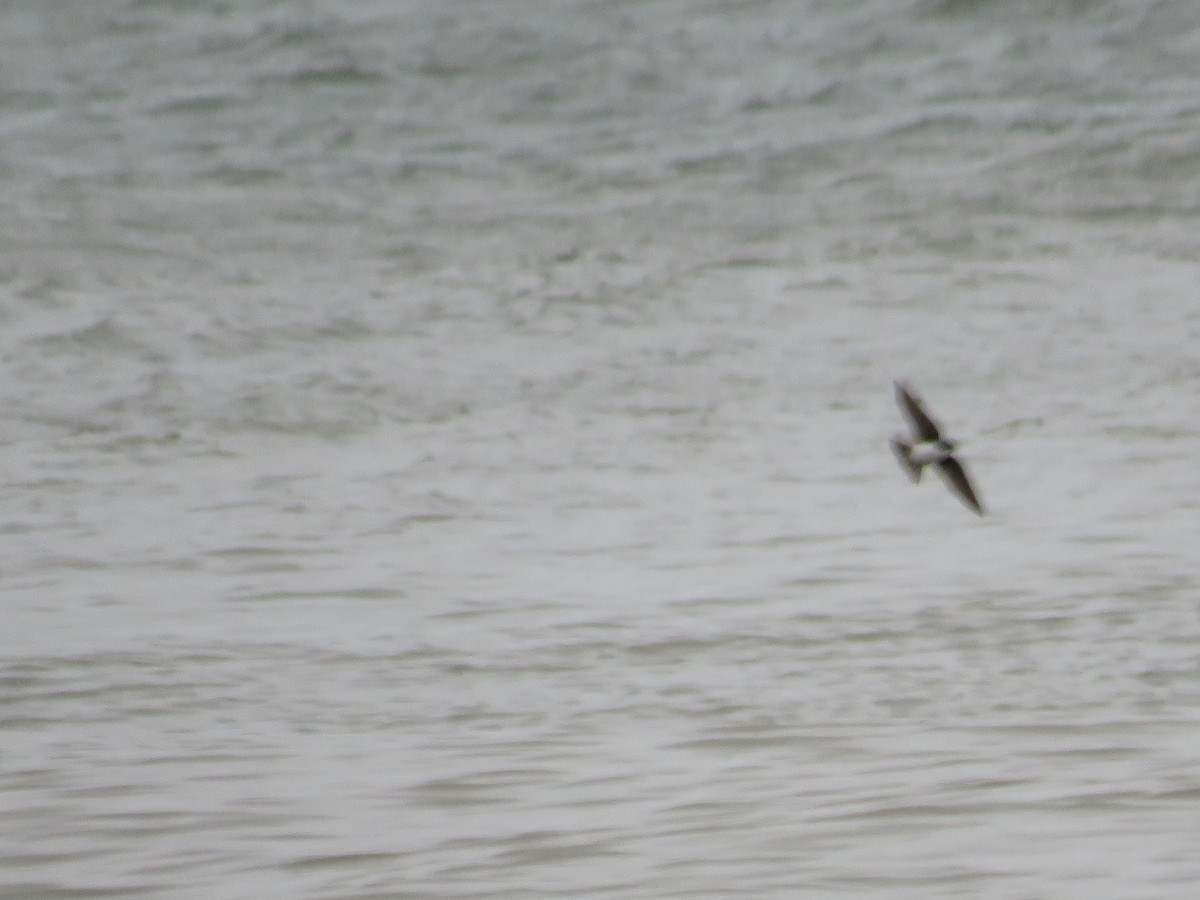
(956, 477)
(923, 424)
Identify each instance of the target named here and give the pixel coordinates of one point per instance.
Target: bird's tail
(903, 451)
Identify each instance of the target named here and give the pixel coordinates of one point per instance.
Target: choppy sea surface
(443, 449)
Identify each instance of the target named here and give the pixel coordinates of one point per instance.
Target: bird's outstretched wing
(923, 424)
(956, 477)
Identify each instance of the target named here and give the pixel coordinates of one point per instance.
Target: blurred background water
(444, 448)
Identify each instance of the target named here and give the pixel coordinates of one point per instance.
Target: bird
(928, 447)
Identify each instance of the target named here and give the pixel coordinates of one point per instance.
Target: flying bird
(927, 447)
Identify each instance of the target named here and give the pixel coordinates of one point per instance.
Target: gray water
(445, 449)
